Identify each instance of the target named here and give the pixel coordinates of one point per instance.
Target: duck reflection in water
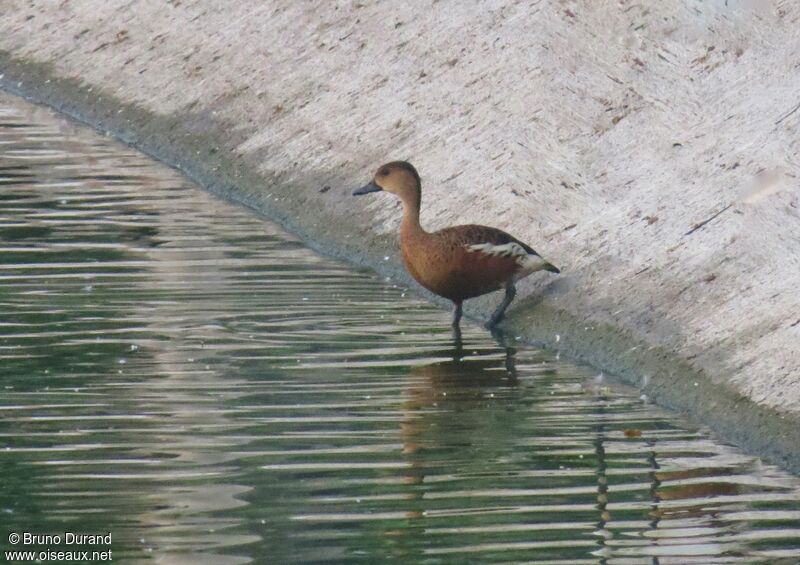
(453, 414)
(462, 423)
(466, 376)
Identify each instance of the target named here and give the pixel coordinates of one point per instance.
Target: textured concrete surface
(649, 149)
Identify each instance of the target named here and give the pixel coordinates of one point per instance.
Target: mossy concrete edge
(666, 378)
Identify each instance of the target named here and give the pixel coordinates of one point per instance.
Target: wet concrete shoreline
(664, 316)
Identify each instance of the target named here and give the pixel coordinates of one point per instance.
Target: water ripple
(188, 377)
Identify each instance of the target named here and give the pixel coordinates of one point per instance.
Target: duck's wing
(496, 243)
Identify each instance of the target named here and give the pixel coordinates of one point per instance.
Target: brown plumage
(459, 262)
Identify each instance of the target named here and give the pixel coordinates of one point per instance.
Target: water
(187, 377)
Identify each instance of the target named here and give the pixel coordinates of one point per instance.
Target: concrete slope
(649, 149)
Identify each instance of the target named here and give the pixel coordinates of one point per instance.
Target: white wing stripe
(528, 262)
(511, 249)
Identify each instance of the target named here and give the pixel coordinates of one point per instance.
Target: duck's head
(398, 177)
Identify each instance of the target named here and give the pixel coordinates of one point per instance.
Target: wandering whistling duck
(459, 262)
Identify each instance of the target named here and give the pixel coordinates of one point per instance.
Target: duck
(458, 262)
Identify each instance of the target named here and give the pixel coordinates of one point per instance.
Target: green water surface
(181, 374)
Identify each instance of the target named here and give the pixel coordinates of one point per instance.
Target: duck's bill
(367, 188)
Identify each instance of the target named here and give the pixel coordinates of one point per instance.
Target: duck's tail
(533, 262)
(552, 268)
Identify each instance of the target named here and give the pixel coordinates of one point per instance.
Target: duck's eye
(384, 173)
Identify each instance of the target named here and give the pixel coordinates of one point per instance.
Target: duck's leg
(457, 343)
(498, 314)
(456, 313)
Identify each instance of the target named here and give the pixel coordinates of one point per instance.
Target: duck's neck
(409, 225)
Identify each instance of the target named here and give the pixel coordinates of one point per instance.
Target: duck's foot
(494, 320)
(499, 313)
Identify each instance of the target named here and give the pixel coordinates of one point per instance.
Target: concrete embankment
(650, 150)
